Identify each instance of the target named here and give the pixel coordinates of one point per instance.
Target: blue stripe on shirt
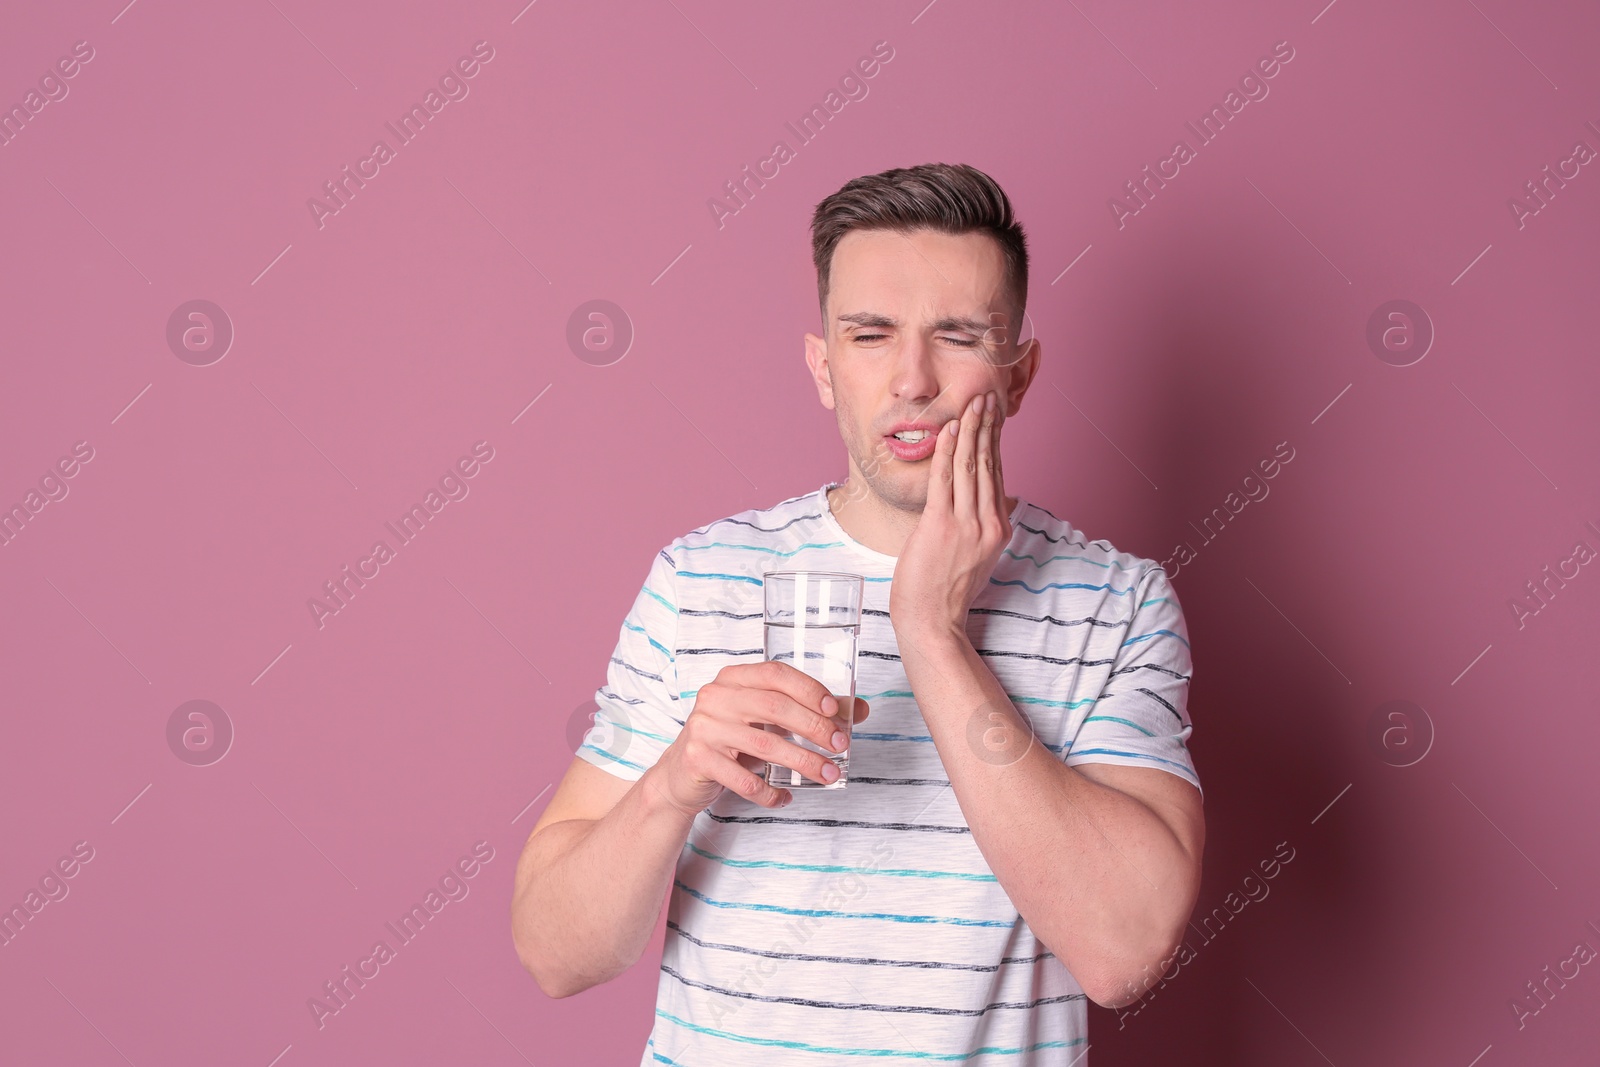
(760, 548)
(609, 756)
(1125, 722)
(664, 601)
(1155, 633)
(1063, 585)
(1052, 559)
(836, 868)
(942, 920)
(653, 642)
(1136, 755)
(844, 1050)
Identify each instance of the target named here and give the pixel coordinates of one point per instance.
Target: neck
(873, 523)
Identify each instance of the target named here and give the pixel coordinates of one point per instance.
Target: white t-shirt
(862, 925)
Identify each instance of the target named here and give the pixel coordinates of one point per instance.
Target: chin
(907, 492)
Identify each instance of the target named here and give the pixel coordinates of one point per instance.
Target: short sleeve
(638, 712)
(1141, 718)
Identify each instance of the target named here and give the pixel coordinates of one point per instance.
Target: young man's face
(917, 325)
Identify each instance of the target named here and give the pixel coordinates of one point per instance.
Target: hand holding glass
(812, 619)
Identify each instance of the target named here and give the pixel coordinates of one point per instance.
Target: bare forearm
(588, 892)
(1101, 879)
(1111, 883)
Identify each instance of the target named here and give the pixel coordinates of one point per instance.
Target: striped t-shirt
(862, 925)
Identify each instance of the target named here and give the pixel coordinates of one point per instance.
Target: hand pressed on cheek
(956, 543)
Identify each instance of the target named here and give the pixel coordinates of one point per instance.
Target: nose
(914, 379)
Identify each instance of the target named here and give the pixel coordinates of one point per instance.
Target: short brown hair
(949, 198)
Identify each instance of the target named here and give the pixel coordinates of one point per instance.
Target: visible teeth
(911, 436)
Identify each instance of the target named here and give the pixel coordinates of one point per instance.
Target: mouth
(912, 442)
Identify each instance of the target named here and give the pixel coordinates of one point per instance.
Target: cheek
(849, 420)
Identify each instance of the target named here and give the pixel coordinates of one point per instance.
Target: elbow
(562, 957)
(550, 979)
(1117, 989)
(556, 989)
(552, 982)
(1113, 993)
(1117, 986)
(1114, 970)
(1109, 988)
(1143, 958)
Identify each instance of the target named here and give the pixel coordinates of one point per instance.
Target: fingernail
(830, 772)
(839, 740)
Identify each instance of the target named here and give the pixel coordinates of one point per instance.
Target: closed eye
(959, 342)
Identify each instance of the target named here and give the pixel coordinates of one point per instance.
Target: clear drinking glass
(812, 619)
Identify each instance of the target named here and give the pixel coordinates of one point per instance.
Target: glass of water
(812, 619)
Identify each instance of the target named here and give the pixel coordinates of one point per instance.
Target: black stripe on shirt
(761, 529)
(847, 823)
(719, 613)
(1045, 659)
(1063, 539)
(1162, 702)
(1091, 620)
(628, 666)
(870, 961)
(862, 779)
(1149, 667)
(807, 1002)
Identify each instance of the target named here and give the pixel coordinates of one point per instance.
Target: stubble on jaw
(905, 491)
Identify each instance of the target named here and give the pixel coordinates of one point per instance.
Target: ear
(817, 360)
(1021, 376)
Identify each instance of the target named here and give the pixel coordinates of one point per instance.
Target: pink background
(437, 708)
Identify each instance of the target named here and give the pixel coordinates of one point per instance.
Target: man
(1021, 829)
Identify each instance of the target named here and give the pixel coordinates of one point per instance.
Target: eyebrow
(948, 322)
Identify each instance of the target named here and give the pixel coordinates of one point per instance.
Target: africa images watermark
(53, 888)
(342, 589)
(1142, 190)
(53, 487)
(1255, 489)
(53, 89)
(1540, 994)
(1542, 590)
(812, 124)
(338, 992)
(1538, 192)
(452, 84)
(1254, 889)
